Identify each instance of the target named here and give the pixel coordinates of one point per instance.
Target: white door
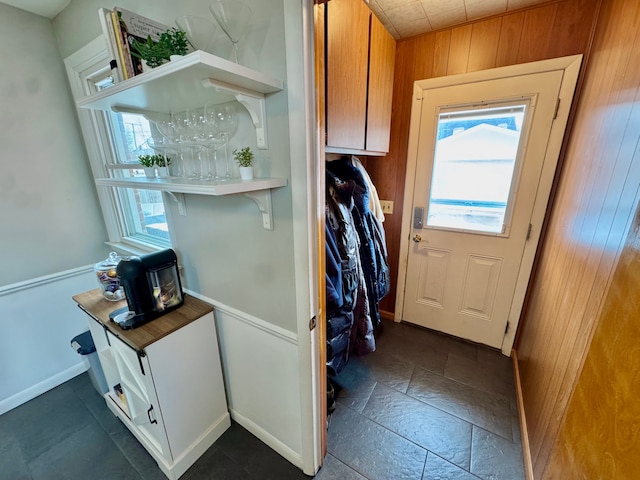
(479, 150)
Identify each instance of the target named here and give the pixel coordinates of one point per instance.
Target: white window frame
(96, 134)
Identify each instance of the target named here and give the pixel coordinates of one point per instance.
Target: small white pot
(150, 172)
(246, 173)
(163, 172)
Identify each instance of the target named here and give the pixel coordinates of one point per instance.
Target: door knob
(417, 238)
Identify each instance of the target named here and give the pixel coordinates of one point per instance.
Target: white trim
(250, 320)
(39, 281)
(268, 439)
(571, 66)
(39, 388)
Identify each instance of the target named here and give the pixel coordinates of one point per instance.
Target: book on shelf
(120, 27)
(136, 27)
(112, 48)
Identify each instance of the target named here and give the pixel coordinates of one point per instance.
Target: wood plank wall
(555, 29)
(599, 437)
(596, 434)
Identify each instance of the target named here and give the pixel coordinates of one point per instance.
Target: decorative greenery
(149, 161)
(172, 42)
(154, 53)
(244, 157)
(175, 41)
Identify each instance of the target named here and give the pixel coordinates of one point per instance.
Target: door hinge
(555, 113)
(312, 323)
(529, 232)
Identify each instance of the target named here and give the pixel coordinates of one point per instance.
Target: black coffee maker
(152, 286)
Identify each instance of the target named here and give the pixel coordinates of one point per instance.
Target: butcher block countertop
(95, 305)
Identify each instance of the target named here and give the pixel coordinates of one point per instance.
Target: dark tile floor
(423, 406)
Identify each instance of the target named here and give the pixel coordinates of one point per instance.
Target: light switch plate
(387, 206)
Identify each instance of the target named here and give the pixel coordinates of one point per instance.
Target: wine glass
(233, 17)
(225, 119)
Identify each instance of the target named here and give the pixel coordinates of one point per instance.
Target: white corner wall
(49, 215)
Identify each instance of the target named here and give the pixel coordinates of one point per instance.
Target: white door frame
(571, 67)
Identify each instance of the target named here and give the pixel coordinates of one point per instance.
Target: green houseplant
(175, 41)
(153, 53)
(244, 159)
(148, 163)
(171, 42)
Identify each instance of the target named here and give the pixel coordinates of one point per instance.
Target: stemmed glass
(224, 119)
(233, 17)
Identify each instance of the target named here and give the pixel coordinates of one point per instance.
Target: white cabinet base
(180, 465)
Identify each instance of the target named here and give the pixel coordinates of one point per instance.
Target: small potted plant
(152, 53)
(176, 42)
(162, 162)
(244, 159)
(148, 163)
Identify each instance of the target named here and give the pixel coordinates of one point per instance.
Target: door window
(475, 167)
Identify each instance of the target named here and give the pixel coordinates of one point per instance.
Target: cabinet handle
(149, 415)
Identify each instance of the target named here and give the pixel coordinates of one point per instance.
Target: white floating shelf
(178, 86)
(258, 190)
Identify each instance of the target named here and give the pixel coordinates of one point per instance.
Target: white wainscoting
(260, 367)
(38, 319)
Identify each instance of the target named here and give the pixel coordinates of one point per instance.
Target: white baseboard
(39, 388)
(526, 449)
(268, 439)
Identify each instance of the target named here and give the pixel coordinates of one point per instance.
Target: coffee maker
(151, 285)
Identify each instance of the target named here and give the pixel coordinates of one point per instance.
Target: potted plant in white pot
(244, 159)
(148, 163)
(162, 163)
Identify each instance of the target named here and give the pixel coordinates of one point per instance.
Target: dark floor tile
(384, 368)
(215, 465)
(372, 450)
(88, 453)
(47, 420)
(353, 388)
(12, 463)
(95, 403)
(255, 457)
(494, 458)
(137, 455)
(516, 433)
(413, 349)
(499, 364)
(438, 468)
(334, 469)
(475, 406)
(477, 375)
(427, 426)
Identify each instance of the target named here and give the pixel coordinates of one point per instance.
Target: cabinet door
(140, 395)
(381, 63)
(347, 64)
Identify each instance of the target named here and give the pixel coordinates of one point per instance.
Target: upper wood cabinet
(360, 57)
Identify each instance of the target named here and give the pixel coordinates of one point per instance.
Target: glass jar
(108, 278)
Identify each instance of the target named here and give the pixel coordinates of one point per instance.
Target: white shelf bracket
(252, 101)
(179, 199)
(263, 200)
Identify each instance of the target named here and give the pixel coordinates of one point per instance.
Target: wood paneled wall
(600, 435)
(552, 30)
(597, 195)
